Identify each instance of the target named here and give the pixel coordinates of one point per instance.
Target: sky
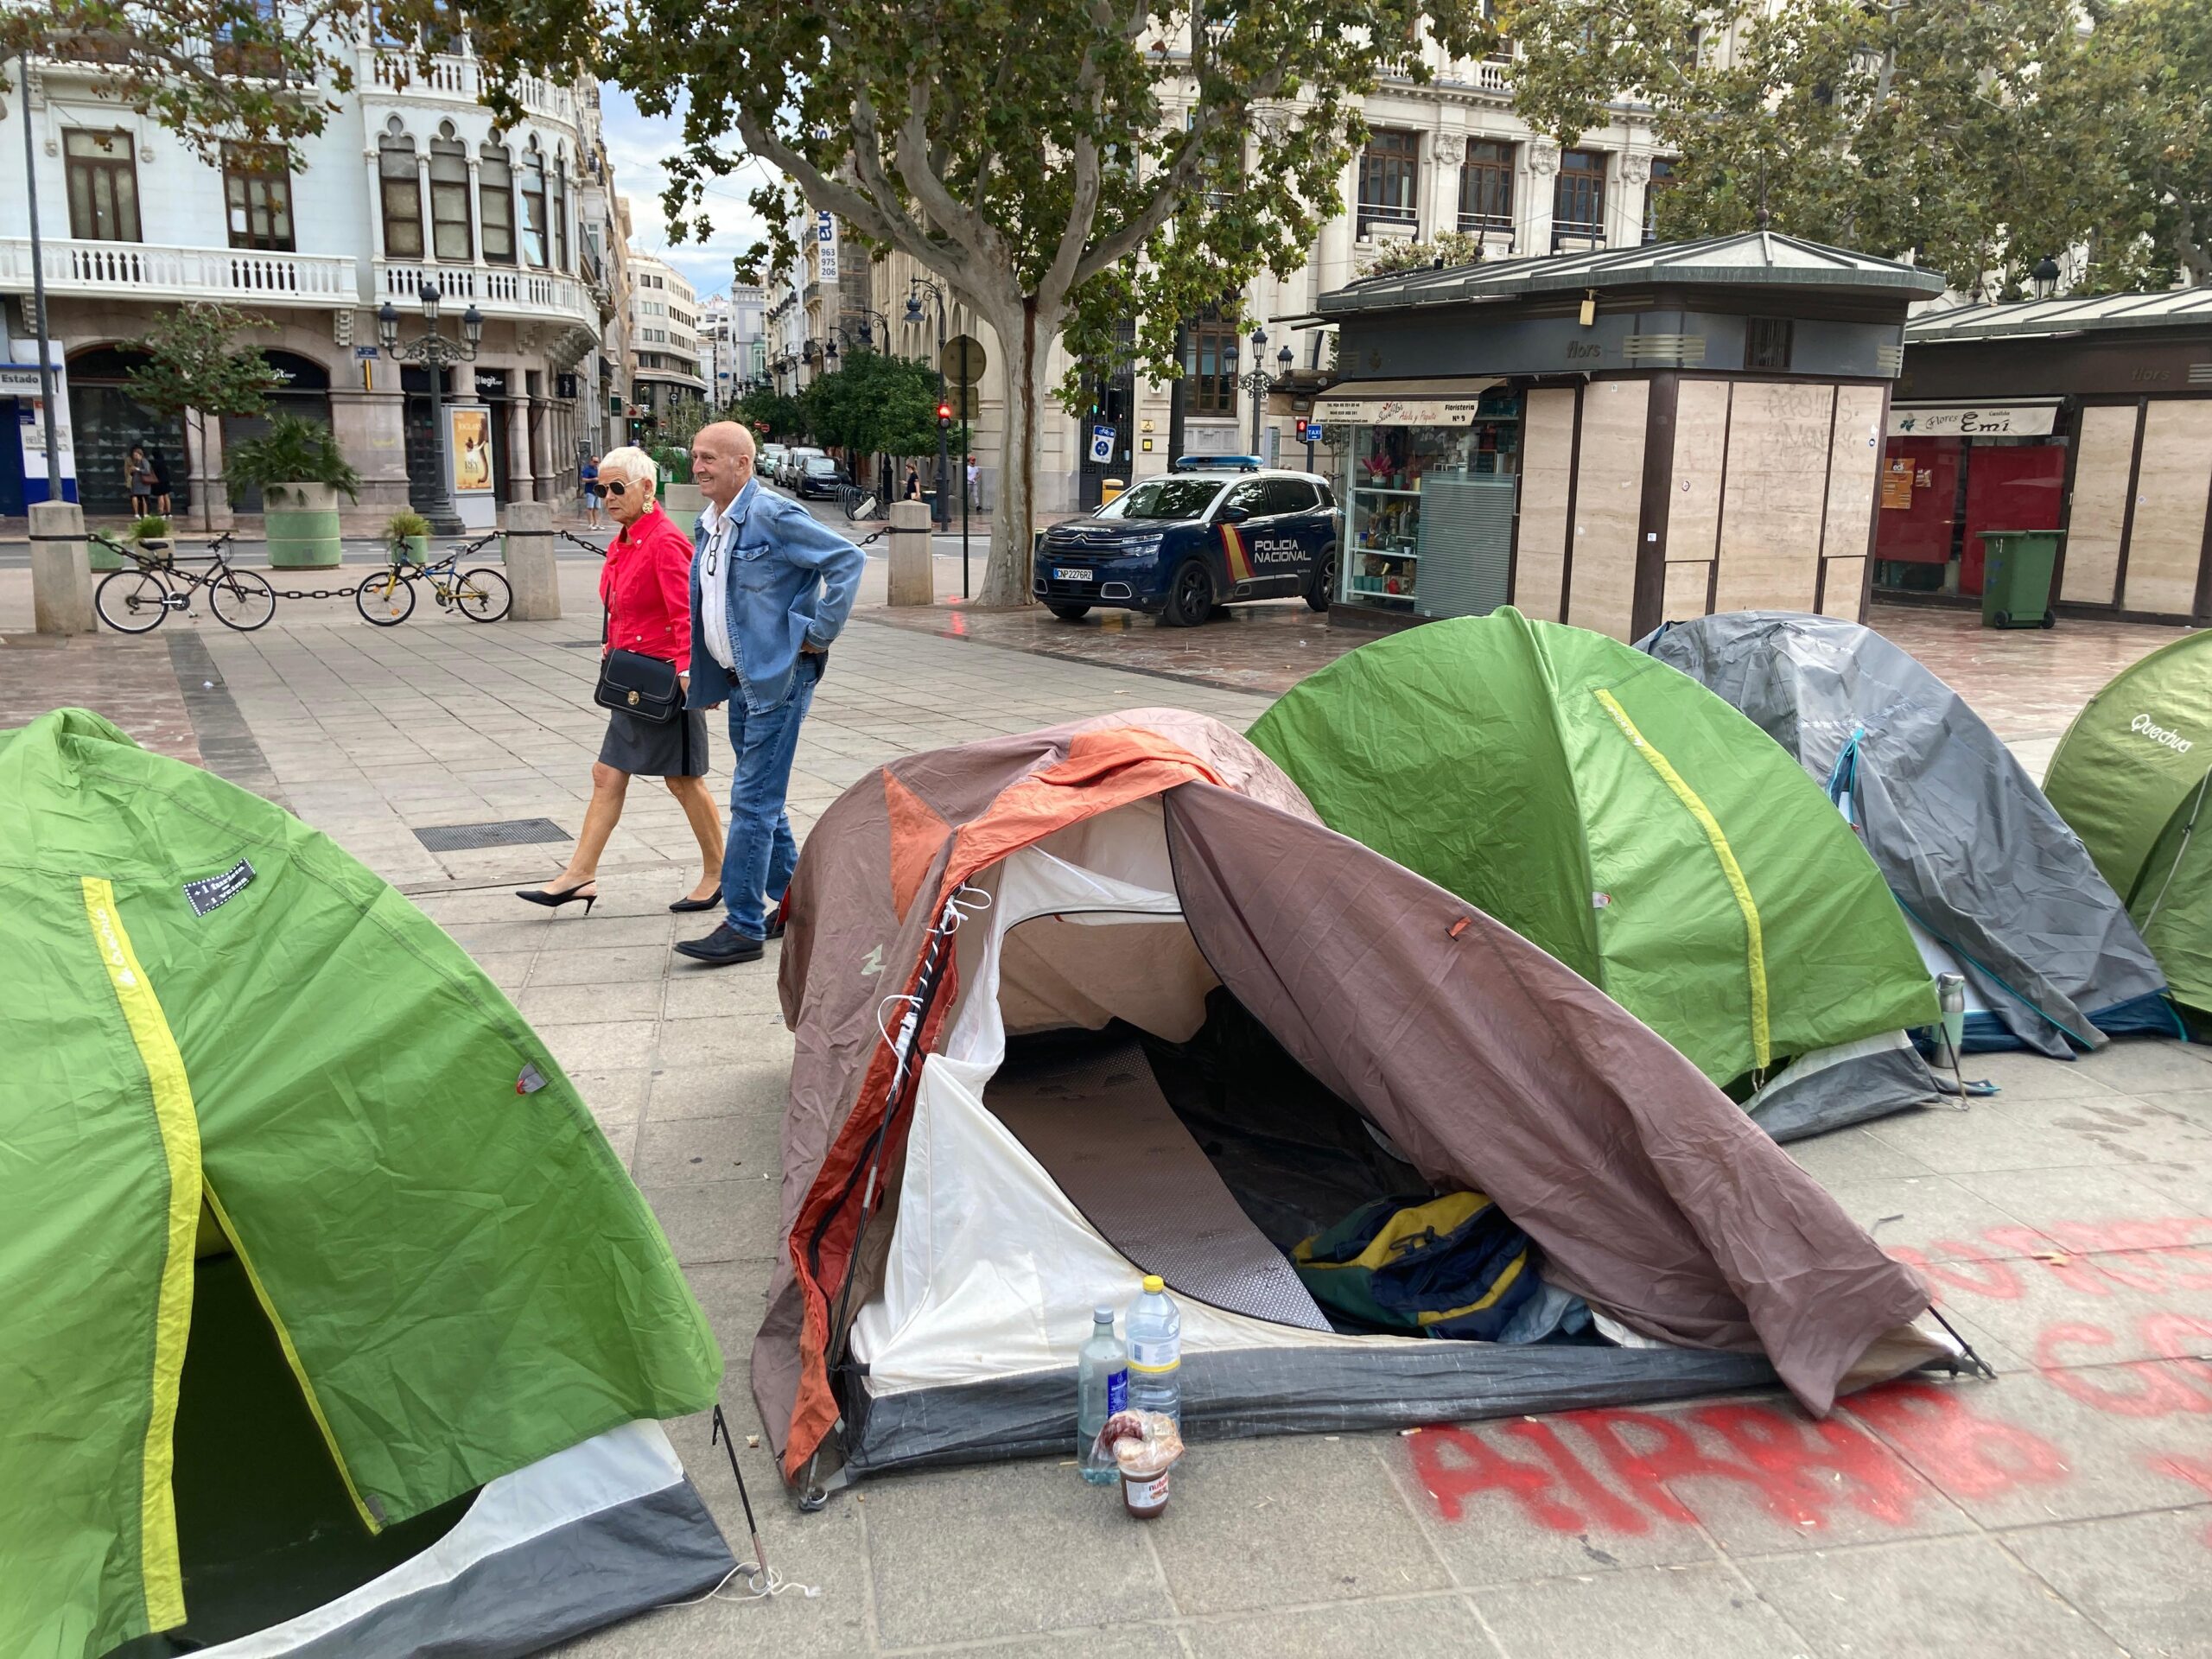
(636, 144)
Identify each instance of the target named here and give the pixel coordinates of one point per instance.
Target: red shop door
(1921, 532)
(2008, 486)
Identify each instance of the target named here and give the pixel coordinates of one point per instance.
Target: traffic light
(943, 413)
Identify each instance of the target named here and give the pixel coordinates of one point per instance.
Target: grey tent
(1997, 886)
(1109, 999)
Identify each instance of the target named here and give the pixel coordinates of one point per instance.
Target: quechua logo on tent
(2143, 726)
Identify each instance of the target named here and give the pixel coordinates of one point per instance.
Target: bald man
(771, 587)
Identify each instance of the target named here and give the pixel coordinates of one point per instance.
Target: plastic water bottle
(1155, 1329)
(1102, 1388)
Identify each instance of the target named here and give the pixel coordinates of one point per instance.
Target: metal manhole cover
(513, 832)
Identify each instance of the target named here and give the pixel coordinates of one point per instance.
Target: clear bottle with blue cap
(1102, 1390)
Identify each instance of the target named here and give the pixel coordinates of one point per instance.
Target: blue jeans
(762, 853)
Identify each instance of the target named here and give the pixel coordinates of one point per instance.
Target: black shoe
(685, 906)
(553, 900)
(776, 926)
(722, 947)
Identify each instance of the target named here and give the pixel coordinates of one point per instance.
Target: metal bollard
(531, 571)
(61, 571)
(914, 580)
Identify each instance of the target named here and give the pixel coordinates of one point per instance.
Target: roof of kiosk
(1754, 259)
(2178, 308)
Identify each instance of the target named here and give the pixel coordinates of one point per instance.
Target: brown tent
(1022, 970)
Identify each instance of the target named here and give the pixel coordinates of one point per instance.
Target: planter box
(302, 522)
(418, 548)
(682, 502)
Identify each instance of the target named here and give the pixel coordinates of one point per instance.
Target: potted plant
(301, 473)
(680, 499)
(150, 534)
(409, 534)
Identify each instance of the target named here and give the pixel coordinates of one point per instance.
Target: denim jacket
(791, 581)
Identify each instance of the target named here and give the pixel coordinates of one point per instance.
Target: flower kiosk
(1617, 438)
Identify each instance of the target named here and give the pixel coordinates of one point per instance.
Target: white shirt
(720, 530)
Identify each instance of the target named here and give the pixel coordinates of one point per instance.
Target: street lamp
(915, 287)
(2046, 277)
(434, 353)
(1256, 381)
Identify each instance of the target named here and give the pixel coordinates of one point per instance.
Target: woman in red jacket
(647, 587)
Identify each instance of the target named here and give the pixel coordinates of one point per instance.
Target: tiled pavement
(2066, 1224)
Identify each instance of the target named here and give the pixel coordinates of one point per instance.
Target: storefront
(1617, 438)
(2093, 416)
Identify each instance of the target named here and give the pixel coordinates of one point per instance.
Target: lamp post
(1256, 381)
(46, 377)
(2046, 277)
(435, 353)
(915, 287)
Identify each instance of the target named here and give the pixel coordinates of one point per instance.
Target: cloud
(636, 145)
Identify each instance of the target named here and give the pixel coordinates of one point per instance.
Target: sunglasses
(615, 487)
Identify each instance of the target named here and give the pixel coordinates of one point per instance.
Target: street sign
(966, 401)
(365, 353)
(1102, 443)
(963, 361)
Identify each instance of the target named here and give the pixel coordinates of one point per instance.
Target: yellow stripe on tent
(292, 1358)
(1755, 944)
(159, 1570)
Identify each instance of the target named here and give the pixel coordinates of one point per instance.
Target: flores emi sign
(1973, 420)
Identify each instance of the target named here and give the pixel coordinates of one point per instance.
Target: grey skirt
(645, 748)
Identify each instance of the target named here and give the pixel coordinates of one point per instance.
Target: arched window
(561, 212)
(449, 234)
(402, 194)
(533, 206)
(495, 202)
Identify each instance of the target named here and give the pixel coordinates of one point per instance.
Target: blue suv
(1175, 547)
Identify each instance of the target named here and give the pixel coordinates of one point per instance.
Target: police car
(1211, 532)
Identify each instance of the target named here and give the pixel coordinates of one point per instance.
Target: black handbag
(641, 685)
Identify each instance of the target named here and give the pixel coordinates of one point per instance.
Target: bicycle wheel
(132, 601)
(242, 599)
(482, 593)
(385, 597)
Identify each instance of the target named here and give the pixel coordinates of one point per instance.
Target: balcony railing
(145, 270)
(496, 291)
(444, 74)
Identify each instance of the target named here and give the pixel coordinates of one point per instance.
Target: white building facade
(663, 339)
(1450, 156)
(409, 186)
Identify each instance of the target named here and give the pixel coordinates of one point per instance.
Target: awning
(1405, 403)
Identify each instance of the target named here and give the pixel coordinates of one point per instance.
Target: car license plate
(1071, 573)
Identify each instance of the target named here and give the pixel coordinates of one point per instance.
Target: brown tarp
(1490, 1064)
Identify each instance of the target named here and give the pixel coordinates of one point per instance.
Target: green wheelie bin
(2016, 572)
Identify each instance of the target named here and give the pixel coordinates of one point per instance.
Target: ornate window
(402, 194)
(533, 206)
(495, 203)
(103, 184)
(449, 233)
(1662, 179)
(560, 213)
(1578, 197)
(257, 197)
(1486, 186)
(1213, 354)
(1389, 180)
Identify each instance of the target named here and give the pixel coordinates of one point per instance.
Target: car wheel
(1069, 613)
(1322, 583)
(1190, 595)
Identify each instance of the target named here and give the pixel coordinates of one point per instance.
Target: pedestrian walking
(647, 587)
(911, 490)
(770, 590)
(161, 468)
(975, 473)
(589, 476)
(138, 479)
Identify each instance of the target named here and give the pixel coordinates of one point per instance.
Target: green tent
(2127, 778)
(1621, 815)
(251, 1090)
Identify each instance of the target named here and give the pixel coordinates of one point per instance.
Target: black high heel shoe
(553, 900)
(687, 904)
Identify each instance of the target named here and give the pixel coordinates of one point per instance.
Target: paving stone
(719, 1221)
(2166, 1128)
(697, 995)
(616, 1097)
(2032, 1077)
(2141, 1578)
(1034, 1547)
(1853, 1154)
(1945, 1597)
(2083, 1197)
(1421, 1624)
(555, 1005)
(682, 1091)
(1698, 1611)
(604, 1046)
(1986, 1137)
(1934, 1215)
(1243, 1528)
(639, 965)
(2145, 1065)
(731, 1040)
(679, 1150)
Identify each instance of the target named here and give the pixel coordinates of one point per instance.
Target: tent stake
(721, 1432)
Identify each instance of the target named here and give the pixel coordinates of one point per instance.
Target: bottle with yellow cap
(1155, 1335)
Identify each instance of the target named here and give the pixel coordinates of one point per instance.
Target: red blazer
(647, 587)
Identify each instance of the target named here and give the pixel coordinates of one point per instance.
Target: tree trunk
(1028, 338)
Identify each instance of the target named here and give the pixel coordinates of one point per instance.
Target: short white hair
(635, 465)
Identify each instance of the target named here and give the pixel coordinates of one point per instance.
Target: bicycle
(134, 599)
(481, 594)
(859, 503)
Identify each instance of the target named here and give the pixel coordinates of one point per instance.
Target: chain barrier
(316, 592)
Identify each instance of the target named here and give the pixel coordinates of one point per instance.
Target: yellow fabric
(1755, 946)
(159, 1570)
(1499, 1286)
(1438, 1215)
(292, 1359)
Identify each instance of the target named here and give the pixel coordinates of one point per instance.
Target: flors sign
(1975, 421)
(1398, 411)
